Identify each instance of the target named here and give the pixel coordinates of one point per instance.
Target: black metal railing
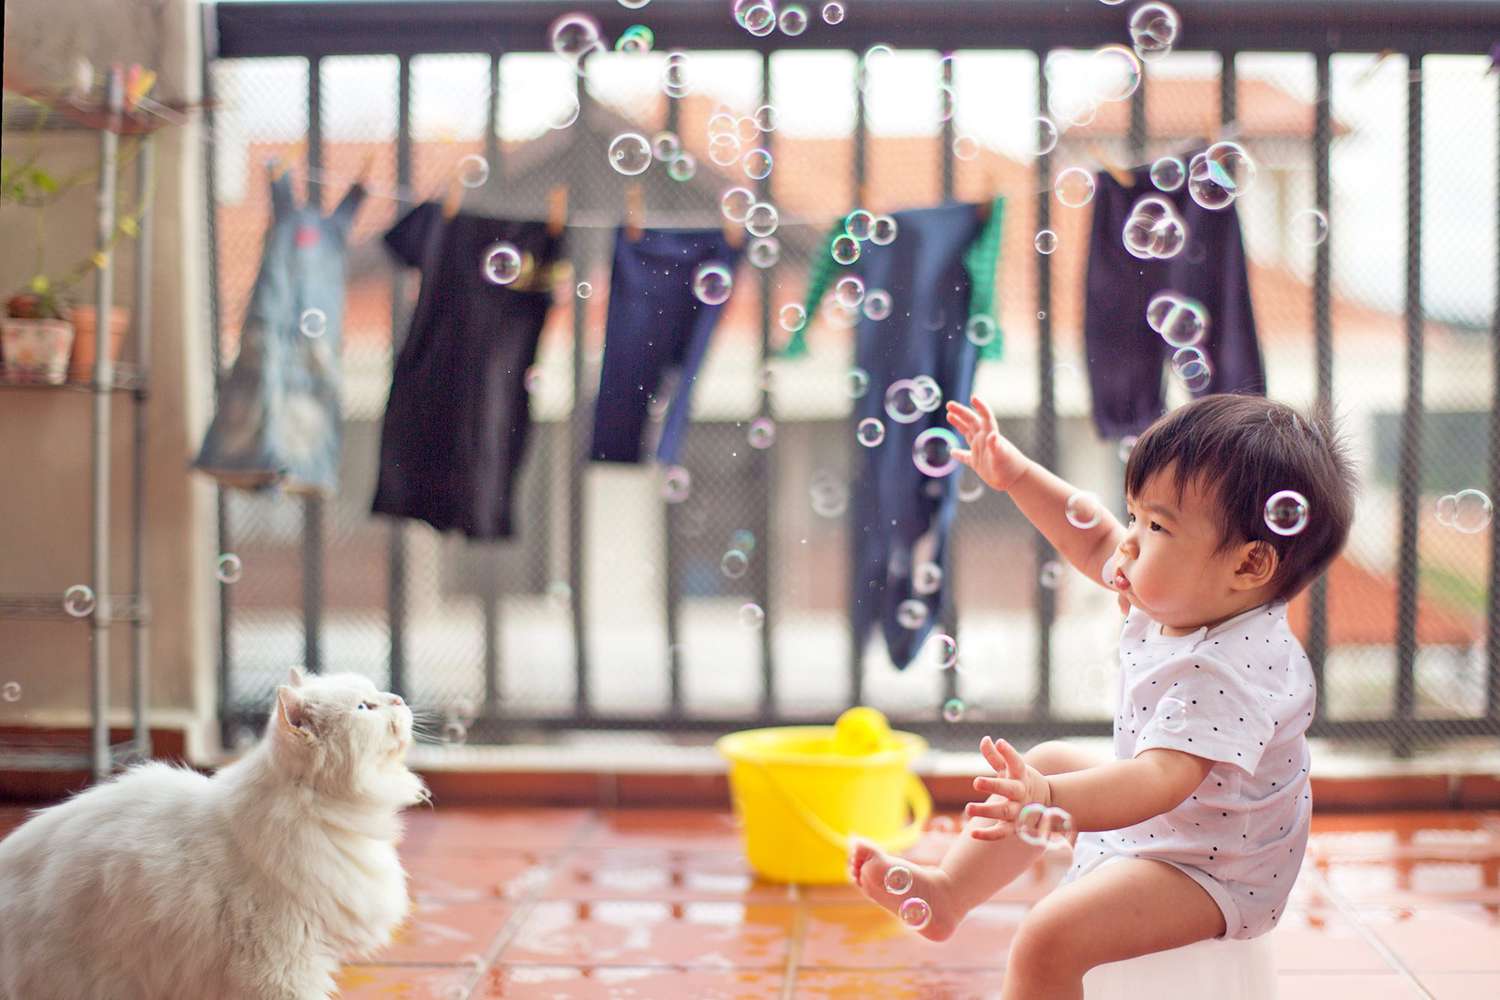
(407, 30)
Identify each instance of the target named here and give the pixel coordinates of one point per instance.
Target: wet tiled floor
(656, 904)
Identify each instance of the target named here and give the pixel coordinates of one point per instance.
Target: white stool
(1222, 969)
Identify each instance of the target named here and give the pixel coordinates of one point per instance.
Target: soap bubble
(1046, 136)
(502, 263)
(877, 304)
(764, 253)
(674, 75)
(1171, 714)
(723, 123)
(1037, 823)
(1220, 174)
(845, 249)
(78, 600)
(1286, 512)
(898, 880)
(757, 164)
(911, 614)
(944, 650)
(1051, 575)
(585, 289)
(1310, 227)
(981, 329)
(1168, 237)
(712, 283)
(1181, 321)
(734, 564)
(574, 35)
(762, 219)
(901, 401)
(830, 497)
(762, 433)
(859, 224)
(630, 153)
(1083, 510)
(228, 568)
(683, 167)
(313, 323)
(857, 383)
(1168, 173)
(724, 149)
(635, 40)
(634, 4)
(1045, 242)
(933, 452)
(927, 578)
(1191, 365)
(564, 115)
(1153, 29)
(849, 291)
(752, 615)
(1114, 73)
(793, 20)
(926, 393)
(736, 204)
(1074, 187)
(676, 484)
(10, 691)
(1472, 511)
(792, 317)
(743, 539)
(473, 171)
(870, 432)
(666, 146)
(970, 486)
(953, 710)
(965, 147)
(833, 12)
(915, 913)
(883, 231)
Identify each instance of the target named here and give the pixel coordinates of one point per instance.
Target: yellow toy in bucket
(802, 791)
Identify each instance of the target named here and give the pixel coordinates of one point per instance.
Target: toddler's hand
(998, 462)
(1016, 783)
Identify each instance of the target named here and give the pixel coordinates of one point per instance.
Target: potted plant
(36, 337)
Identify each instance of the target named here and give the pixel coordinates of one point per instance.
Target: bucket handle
(918, 799)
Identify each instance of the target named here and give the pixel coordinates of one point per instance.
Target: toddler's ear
(1258, 564)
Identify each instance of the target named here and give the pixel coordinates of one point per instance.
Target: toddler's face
(1167, 563)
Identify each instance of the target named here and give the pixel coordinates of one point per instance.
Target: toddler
(1196, 829)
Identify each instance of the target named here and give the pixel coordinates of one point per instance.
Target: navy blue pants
(899, 516)
(1125, 356)
(655, 323)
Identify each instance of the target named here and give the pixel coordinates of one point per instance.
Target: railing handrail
(406, 27)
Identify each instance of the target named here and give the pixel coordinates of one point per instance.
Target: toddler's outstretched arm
(1042, 496)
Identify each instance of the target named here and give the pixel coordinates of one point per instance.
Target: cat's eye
(367, 705)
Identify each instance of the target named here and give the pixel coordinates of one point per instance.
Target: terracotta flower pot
(36, 350)
(85, 336)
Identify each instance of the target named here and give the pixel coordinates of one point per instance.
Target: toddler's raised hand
(998, 462)
(1016, 783)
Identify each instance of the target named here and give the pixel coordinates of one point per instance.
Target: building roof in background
(1188, 108)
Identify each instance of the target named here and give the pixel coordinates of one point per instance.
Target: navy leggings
(655, 323)
(899, 516)
(1125, 356)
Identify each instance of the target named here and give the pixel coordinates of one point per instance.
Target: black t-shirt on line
(456, 422)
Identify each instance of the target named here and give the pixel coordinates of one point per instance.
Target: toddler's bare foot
(868, 866)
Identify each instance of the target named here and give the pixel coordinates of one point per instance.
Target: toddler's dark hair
(1242, 450)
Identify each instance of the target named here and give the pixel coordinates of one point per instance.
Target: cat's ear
(294, 677)
(291, 714)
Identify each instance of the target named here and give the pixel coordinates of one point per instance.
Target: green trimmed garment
(982, 261)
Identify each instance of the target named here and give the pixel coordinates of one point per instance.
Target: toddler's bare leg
(973, 870)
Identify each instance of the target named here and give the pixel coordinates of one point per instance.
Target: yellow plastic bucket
(799, 800)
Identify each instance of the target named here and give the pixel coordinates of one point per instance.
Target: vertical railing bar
(1136, 138)
(856, 641)
(1317, 626)
(215, 348)
(1411, 423)
(672, 578)
(763, 459)
(1492, 603)
(1046, 416)
(396, 578)
(948, 611)
(490, 589)
(141, 322)
(578, 445)
(1228, 90)
(312, 503)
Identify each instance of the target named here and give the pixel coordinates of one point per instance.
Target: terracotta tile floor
(654, 904)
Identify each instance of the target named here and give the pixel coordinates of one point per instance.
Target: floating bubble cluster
(1181, 321)
(1036, 824)
(1154, 229)
(1467, 511)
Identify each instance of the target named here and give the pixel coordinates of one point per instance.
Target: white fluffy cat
(249, 885)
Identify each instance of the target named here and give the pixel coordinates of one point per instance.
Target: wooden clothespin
(1123, 176)
(557, 210)
(635, 212)
(453, 198)
(283, 163)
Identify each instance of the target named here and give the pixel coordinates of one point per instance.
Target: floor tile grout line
(1350, 912)
(794, 946)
